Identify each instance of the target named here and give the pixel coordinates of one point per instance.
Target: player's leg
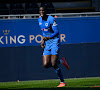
(55, 51)
(46, 61)
(64, 62)
(54, 59)
(46, 57)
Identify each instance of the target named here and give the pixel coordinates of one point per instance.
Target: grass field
(71, 83)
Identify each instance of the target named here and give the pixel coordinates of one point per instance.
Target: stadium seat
(31, 8)
(4, 10)
(49, 7)
(17, 8)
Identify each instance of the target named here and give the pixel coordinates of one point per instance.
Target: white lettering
(1, 40)
(62, 37)
(6, 40)
(13, 39)
(31, 37)
(22, 40)
(37, 37)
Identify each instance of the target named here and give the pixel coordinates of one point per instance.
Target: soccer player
(51, 44)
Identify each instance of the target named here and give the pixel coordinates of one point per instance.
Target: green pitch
(71, 83)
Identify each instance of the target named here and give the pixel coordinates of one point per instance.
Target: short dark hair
(43, 7)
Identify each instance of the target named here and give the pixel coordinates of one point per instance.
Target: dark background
(54, 6)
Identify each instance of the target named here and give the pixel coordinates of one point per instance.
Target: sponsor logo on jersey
(43, 29)
(46, 24)
(54, 24)
(40, 23)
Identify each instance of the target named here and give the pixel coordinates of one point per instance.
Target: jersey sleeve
(54, 27)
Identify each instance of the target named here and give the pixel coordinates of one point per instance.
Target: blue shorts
(52, 48)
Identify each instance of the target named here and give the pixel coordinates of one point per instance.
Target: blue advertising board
(26, 32)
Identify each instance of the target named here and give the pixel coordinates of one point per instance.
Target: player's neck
(45, 17)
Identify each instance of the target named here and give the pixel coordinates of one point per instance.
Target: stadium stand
(74, 6)
(31, 8)
(4, 10)
(49, 7)
(96, 4)
(53, 6)
(16, 8)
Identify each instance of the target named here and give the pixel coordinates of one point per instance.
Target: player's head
(42, 11)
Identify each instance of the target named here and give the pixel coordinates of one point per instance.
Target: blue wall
(26, 32)
(22, 60)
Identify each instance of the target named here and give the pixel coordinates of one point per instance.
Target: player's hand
(42, 44)
(46, 38)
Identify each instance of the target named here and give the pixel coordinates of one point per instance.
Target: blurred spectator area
(31, 7)
(49, 7)
(4, 10)
(74, 7)
(16, 8)
(53, 6)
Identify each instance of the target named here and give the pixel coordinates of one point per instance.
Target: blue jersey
(50, 28)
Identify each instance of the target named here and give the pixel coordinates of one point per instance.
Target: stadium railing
(56, 15)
